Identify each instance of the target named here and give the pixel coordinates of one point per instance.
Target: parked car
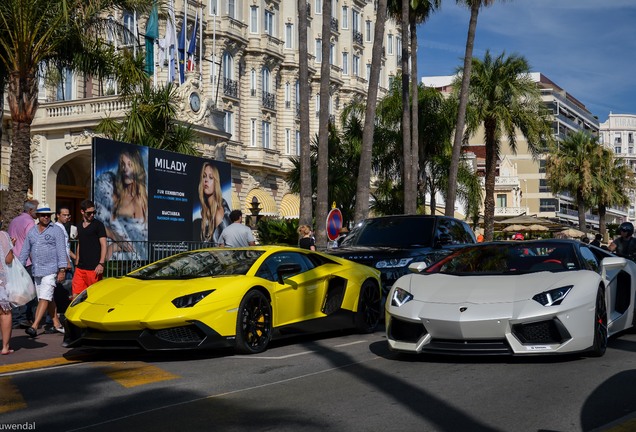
(513, 298)
(391, 243)
(225, 297)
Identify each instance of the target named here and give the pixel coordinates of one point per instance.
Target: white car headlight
(553, 297)
(393, 263)
(400, 297)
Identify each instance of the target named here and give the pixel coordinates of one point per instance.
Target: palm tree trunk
(407, 156)
(306, 206)
(602, 228)
(491, 168)
(461, 113)
(581, 204)
(366, 152)
(322, 196)
(415, 152)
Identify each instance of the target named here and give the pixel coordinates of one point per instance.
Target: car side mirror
(418, 267)
(286, 270)
(614, 263)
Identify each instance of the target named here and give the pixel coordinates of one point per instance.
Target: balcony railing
(510, 211)
(357, 37)
(334, 24)
(269, 100)
(230, 87)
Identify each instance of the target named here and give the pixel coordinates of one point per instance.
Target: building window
(356, 65)
(287, 95)
(318, 7)
(398, 46)
(253, 133)
(543, 186)
(214, 7)
(231, 8)
(289, 36)
(228, 66)
(267, 80)
(318, 50)
(389, 44)
(345, 63)
(355, 20)
(547, 205)
(617, 149)
(129, 26)
(65, 86)
(253, 19)
(228, 124)
(345, 17)
(617, 138)
(267, 134)
(368, 71)
(630, 138)
(541, 166)
(332, 50)
(368, 30)
(288, 143)
(317, 104)
(253, 83)
(502, 201)
(297, 142)
(268, 24)
(630, 150)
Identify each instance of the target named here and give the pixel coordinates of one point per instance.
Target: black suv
(391, 243)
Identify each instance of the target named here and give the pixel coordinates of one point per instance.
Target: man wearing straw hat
(45, 244)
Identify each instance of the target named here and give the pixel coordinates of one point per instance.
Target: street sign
(334, 224)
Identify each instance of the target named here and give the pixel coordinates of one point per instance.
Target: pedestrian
(585, 239)
(306, 240)
(18, 230)
(90, 254)
(624, 245)
(6, 258)
(236, 234)
(45, 245)
(63, 290)
(597, 240)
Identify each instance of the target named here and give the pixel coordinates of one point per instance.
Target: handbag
(20, 288)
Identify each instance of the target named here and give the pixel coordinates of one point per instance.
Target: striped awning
(290, 206)
(266, 201)
(4, 180)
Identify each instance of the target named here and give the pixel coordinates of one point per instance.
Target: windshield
(509, 258)
(200, 263)
(397, 232)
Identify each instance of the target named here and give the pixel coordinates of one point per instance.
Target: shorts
(82, 279)
(45, 286)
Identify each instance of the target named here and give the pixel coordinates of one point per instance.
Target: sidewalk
(43, 351)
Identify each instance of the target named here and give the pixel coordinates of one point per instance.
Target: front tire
(368, 315)
(254, 323)
(600, 326)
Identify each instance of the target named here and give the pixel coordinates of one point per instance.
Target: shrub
(278, 231)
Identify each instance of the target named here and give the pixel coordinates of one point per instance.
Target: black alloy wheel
(600, 326)
(369, 307)
(254, 323)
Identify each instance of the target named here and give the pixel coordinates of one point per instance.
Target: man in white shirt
(236, 234)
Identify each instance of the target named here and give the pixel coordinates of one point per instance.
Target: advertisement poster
(146, 196)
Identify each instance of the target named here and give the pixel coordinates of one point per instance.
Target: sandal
(8, 352)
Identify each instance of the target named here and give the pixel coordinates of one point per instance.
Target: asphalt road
(339, 382)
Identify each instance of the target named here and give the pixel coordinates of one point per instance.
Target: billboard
(147, 195)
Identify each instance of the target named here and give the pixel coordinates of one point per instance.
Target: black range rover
(391, 243)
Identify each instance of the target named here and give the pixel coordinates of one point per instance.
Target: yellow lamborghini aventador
(225, 297)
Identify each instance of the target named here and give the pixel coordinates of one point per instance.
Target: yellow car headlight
(190, 300)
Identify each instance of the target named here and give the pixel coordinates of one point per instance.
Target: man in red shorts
(91, 249)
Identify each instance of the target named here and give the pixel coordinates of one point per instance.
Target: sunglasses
(44, 215)
(89, 213)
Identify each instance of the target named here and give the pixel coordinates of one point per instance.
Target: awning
(290, 206)
(4, 181)
(266, 203)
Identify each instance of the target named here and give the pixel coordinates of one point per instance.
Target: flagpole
(185, 36)
(201, 45)
(214, 50)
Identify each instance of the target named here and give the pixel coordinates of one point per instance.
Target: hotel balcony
(510, 211)
(503, 183)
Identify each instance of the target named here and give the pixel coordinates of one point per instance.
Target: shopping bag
(20, 288)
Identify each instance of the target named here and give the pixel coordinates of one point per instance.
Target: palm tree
(503, 100)
(475, 6)
(53, 33)
(618, 178)
(572, 167)
(322, 199)
(306, 207)
(366, 152)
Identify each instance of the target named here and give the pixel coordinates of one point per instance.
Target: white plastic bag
(20, 288)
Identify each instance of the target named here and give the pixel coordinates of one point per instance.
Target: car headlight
(80, 298)
(393, 263)
(400, 297)
(191, 299)
(553, 297)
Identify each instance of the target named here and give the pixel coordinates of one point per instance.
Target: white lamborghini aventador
(514, 298)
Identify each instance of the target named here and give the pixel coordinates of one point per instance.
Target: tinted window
(457, 230)
(204, 263)
(589, 258)
(268, 270)
(392, 232)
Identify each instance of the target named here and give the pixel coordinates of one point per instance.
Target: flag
(181, 41)
(193, 43)
(152, 33)
(169, 43)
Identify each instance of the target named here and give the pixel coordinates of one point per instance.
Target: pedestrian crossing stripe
(133, 374)
(10, 397)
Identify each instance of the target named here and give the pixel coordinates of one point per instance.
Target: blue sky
(587, 47)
